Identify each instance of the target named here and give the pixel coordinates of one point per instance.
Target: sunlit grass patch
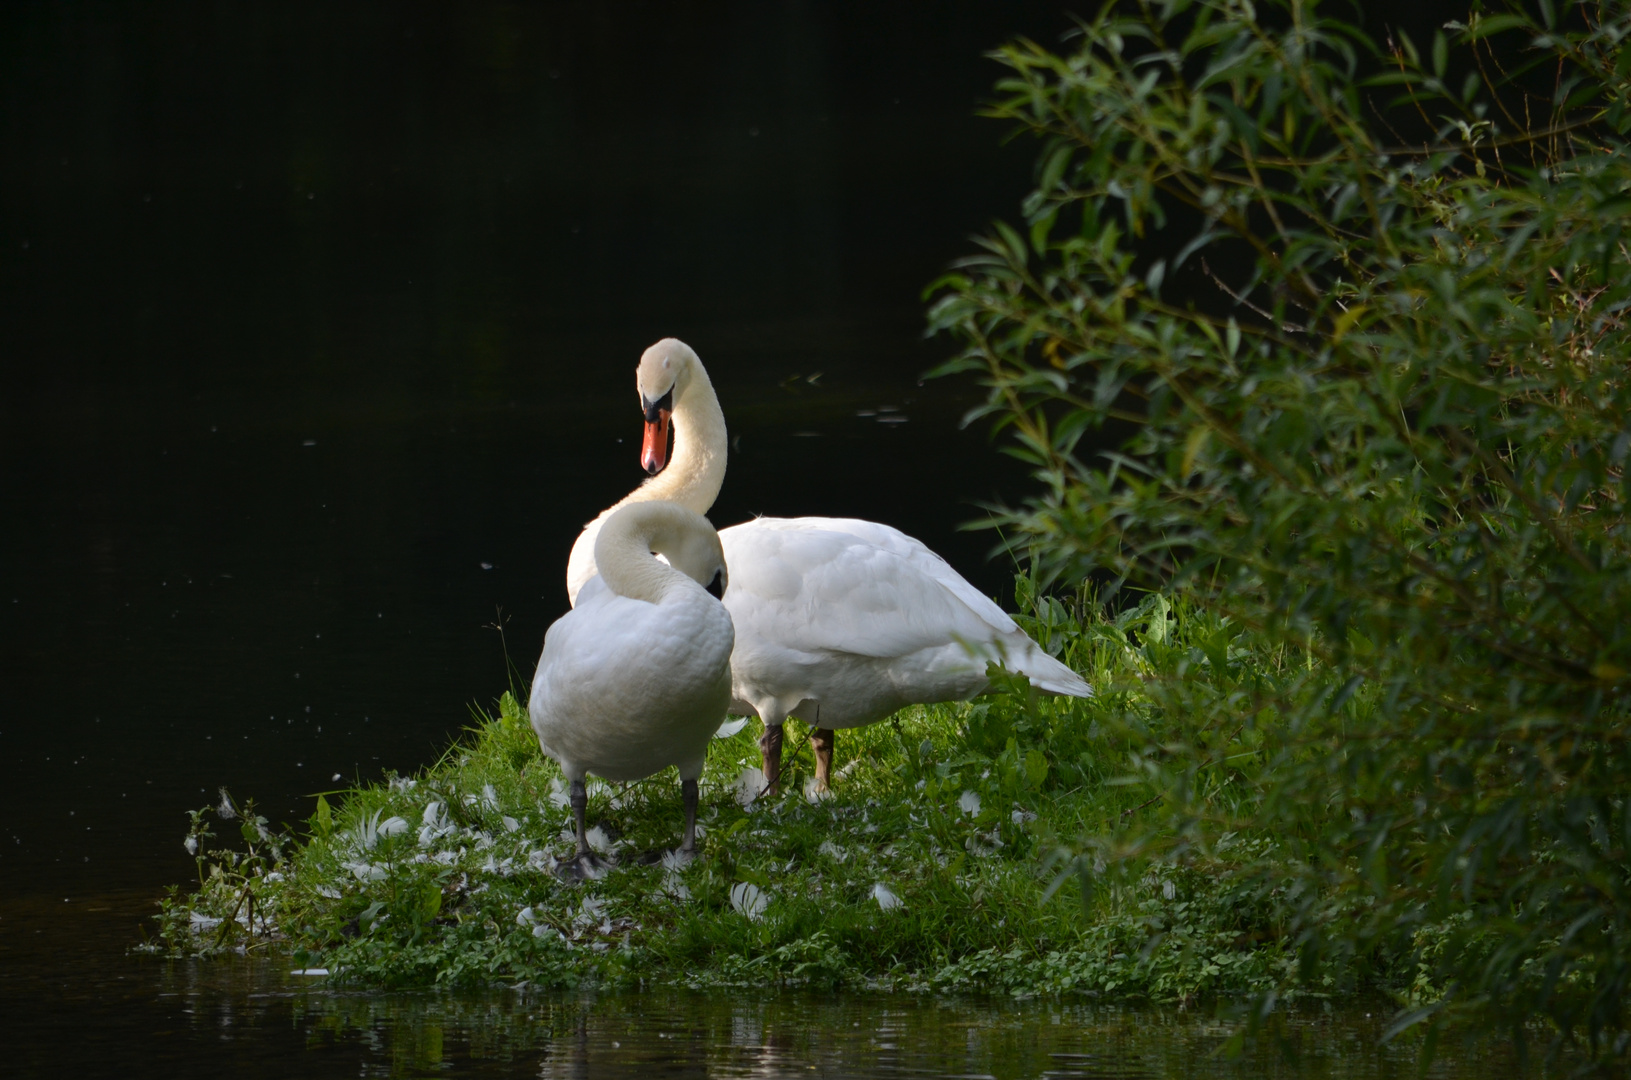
(941, 860)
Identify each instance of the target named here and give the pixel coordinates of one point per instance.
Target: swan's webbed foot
(584, 866)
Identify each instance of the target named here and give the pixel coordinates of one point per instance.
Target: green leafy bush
(1356, 319)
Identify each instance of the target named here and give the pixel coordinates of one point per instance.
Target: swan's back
(864, 619)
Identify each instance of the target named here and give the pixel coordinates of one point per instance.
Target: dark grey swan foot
(584, 866)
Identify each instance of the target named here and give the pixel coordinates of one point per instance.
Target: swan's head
(696, 553)
(641, 531)
(665, 371)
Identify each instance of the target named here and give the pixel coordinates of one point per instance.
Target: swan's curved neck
(626, 549)
(696, 471)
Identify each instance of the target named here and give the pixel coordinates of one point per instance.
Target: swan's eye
(716, 587)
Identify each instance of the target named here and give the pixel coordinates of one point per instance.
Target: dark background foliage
(1399, 450)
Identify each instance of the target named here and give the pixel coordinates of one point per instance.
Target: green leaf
(1157, 273)
(1053, 169)
(370, 915)
(1345, 321)
(1484, 26)
(1194, 443)
(1036, 768)
(752, 877)
(430, 901)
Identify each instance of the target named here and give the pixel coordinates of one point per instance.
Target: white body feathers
(637, 677)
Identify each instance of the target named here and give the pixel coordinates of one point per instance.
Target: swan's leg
(580, 809)
(822, 740)
(583, 864)
(770, 750)
(688, 792)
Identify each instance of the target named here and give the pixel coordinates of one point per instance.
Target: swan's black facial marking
(655, 408)
(716, 587)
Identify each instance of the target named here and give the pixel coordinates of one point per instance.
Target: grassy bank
(946, 857)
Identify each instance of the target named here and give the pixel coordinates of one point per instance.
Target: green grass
(967, 813)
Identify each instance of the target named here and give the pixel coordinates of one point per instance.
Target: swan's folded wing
(611, 645)
(599, 635)
(814, 588)
(593, 587)
(912, 551)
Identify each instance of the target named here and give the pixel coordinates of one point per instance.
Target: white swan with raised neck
(696, 469)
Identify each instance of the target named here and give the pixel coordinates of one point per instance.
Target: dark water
(319, 342)
(82, 1009)
(317, 327)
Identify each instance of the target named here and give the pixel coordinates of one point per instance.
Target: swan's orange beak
(654, 447)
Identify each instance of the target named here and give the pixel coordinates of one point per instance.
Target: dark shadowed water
(317, 329)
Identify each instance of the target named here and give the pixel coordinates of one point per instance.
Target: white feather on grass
(599, 842)
(833, 851)
(731, 727)
(749, 785)
(749, 899)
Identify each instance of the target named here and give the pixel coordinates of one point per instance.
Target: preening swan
(838, 622)
(637, 676)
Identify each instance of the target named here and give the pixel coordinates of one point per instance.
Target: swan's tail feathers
(1052, 677)
(1075, 686)
(1021, 655)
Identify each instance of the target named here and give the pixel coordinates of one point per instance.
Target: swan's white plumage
(630, 684)
(858, 619)
(662, 689)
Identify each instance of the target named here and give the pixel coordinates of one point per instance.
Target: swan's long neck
(696, 471)
(624, 550)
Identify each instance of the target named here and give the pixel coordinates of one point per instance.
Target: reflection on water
(85, 1008)
(672, 1033)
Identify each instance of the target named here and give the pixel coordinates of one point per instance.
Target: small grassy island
(940, 860)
